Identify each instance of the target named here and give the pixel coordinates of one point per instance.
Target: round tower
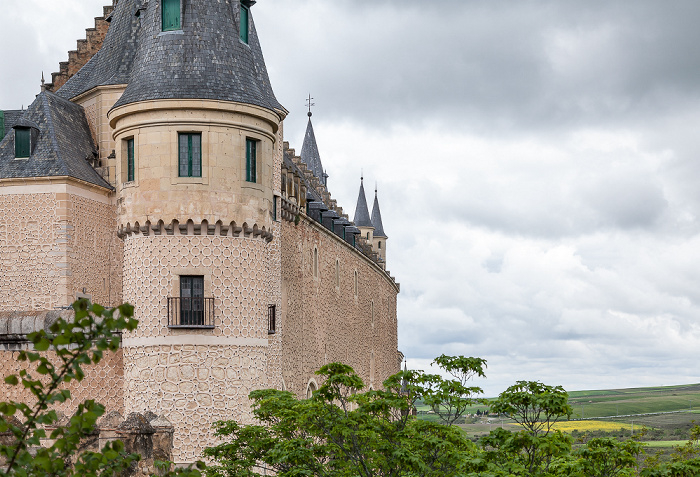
(197, 162)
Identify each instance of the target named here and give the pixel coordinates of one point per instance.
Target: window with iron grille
(271, 319)
(191, 309)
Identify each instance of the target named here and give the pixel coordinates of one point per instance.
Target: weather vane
(310, 104)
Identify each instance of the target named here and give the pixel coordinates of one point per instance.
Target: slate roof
(204, 60)
(62, 142)
(11, 118)
(310, 155)
(361, 211)
(377, 218)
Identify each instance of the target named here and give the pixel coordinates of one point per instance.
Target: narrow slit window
(251, 160)
(190, 155)
(130, 160)
(244, 27)
(22, 142)
(171, 15)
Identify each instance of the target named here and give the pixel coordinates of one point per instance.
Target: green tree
(74, 344)
(530, 451)
(343, 432)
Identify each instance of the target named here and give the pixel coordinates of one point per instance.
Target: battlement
(85, 49)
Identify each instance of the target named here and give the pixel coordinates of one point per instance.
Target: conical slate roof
(203, 60)
(309, 153)
(361, 211)
(377, 218)
(61, 143)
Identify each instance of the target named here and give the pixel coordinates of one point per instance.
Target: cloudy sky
(537, 161)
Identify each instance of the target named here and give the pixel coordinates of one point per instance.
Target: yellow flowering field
(568, 426)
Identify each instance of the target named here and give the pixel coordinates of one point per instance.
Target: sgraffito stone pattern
(194, 377)
(103, 382)
(234, 274)
(28, 252)
(95, 253)
(193, 386)
(52, 245)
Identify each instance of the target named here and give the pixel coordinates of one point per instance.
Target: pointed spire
(43, 82)
(310, 155)
(377, 217)
(361, 211)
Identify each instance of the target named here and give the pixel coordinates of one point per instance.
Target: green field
(663, 412)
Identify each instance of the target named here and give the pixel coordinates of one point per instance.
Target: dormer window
(170, 10)
(245, 15)
(22, 142)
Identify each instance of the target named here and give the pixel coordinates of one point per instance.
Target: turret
(195, 126)
(362, 219)
(379, 238)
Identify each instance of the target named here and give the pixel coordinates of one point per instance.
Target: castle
(153, 170)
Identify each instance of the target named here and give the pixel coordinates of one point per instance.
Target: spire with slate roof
(377, 218)
(310, 155)
(361, 211)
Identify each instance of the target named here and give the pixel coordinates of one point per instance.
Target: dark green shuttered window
(245, 13)
(171, 15)
(22, 142)
(190, 155)
(251, 153)
(129, 160)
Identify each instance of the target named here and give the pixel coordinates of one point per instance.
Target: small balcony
(197, 312)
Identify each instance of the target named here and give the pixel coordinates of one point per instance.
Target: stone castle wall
(55, 240)
(324, 319)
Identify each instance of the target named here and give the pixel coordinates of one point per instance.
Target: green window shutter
(130, 160)
(251, 160)
(196, 155)
(2, 124)
(22, 142)
(171, 15)
(190, 155)
(245, 13)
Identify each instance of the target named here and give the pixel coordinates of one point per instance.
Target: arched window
(337, 273)
(310, 389)
(315, 262)
(367, 235)
(379, 245)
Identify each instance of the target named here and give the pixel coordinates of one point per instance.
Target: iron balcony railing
(190, 312)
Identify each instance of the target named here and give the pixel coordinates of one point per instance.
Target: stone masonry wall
(324, 320)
